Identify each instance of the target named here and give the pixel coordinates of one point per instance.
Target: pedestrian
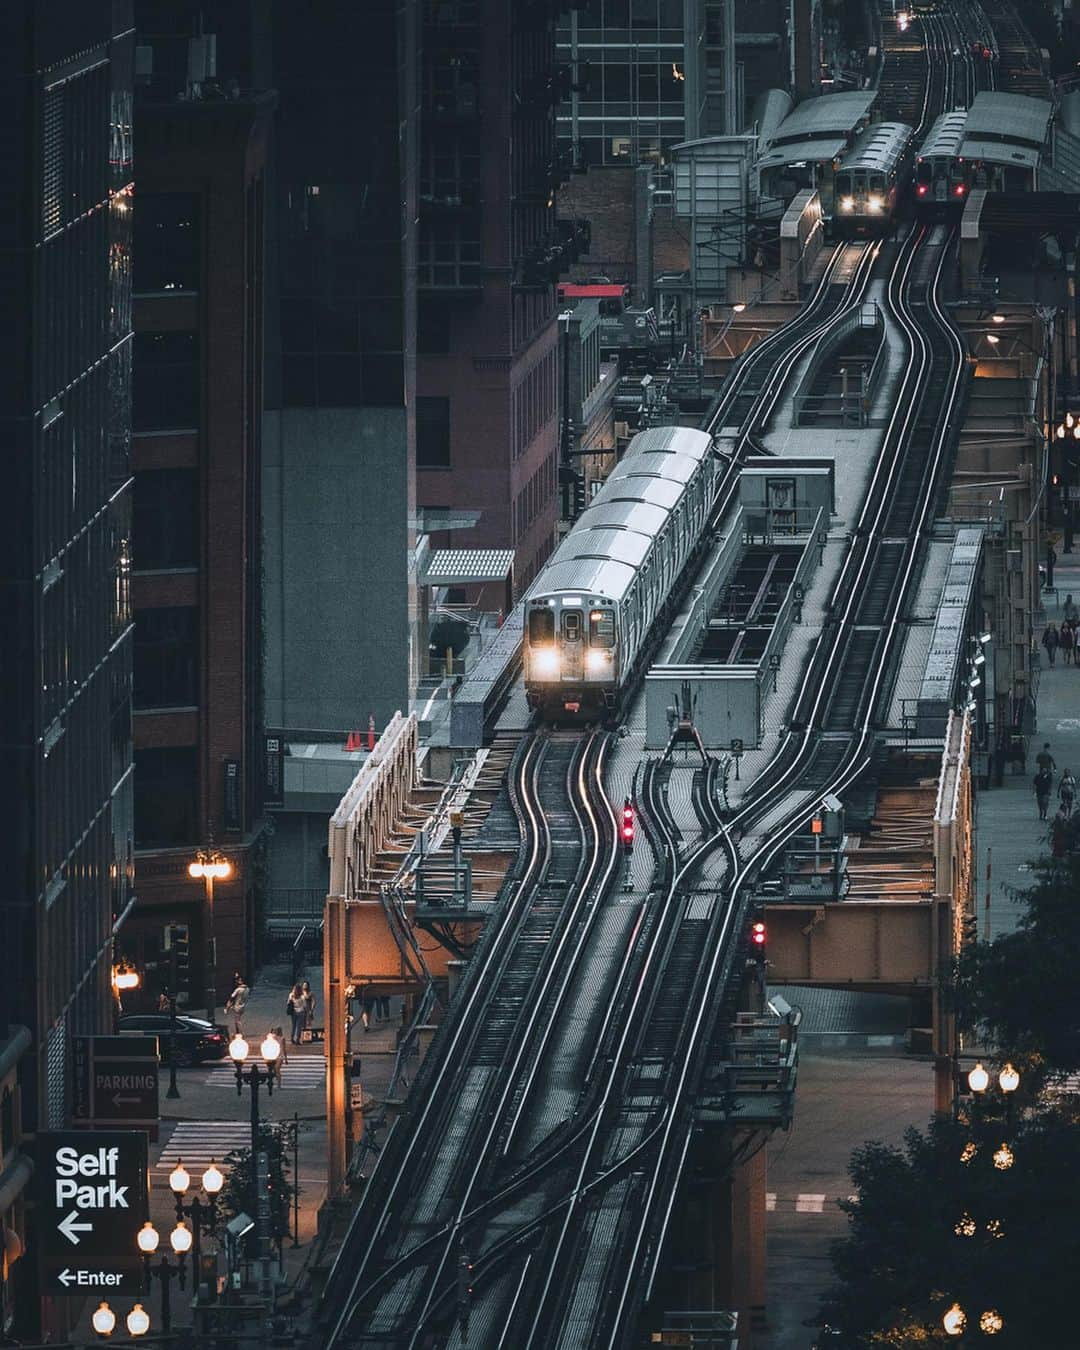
(367, 1005)
(278, 1034)
(1067, 792)
(1070, 612)
(1051, 559)
(308, 999)
(163, 1001)
(237, 1003)
(1050, 641)
(294, 1007)
(1045, 760)
(1059, 835)
(384, 1007)
(1067, 640)
(1044, 780)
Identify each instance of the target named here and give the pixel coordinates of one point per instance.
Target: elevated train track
(545, 1178)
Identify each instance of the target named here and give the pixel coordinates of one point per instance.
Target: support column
(336, 1067)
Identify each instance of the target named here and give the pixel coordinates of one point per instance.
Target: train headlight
(598, 662)
(847, 203)
(875, 205)
(545, 663)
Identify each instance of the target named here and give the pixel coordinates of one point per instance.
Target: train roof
(995, 116)
(601, 554)
(1001, 152)
(819, 151)
(828, 115)
(946, 135)
(879, 147)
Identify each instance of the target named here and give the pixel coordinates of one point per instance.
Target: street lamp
(103, 1320)
(271, 1049)
(138, 1320)
(210, 866)
(203, 1214)
(148, 1239)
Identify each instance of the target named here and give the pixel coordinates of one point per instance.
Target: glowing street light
(954, 1321)
(138, 1321)
(148, 1239)
(978, 1079)
(103, 1320)
(1009, 1079)
(209, 867)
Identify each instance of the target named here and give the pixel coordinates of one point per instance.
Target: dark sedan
(196, 1038)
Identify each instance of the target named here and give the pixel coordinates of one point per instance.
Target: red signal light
(922, 189)
(757, 939)
(959, 189)
(627, 825)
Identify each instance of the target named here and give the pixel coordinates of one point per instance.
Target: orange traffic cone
(371, 732)
(353, 742)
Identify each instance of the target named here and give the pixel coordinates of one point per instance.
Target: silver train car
(870, 181)
(942, 174)
(590, 612)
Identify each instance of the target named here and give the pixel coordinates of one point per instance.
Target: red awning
(610, 291)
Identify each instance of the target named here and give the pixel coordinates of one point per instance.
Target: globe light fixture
(180, 1239)
(978, 1079)
(238, 1048)
(213, 1179)
(1004, 1158)
(954, 1321)
(103, 1320)
(179, 1178)
(1008, 1079)
(965, 1226)
(148, 1239)
(968, 1151)
(995, 1228)
(991, 1322)
(138, 1320)
(271, 1048)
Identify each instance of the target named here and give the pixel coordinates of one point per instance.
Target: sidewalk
(1008, 832)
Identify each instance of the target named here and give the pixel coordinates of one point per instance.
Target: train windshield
(571, 625)
(541, 627)
(602, 628)
(877, 182)
(843, 185)
(924, 171)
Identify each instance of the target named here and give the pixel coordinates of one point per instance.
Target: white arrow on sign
(71, 1228)
(65, 1277)
(117, 1100)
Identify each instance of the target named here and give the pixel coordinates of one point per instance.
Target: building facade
(197, 558)
(339, 443)
(490, 250)
(65, 674)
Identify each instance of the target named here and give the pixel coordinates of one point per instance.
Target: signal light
(817, 825)
(922, 189)
(628, 826)
(757, 938)
(959, 189)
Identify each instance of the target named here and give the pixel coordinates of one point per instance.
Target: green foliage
(238, 1193)
(1018, 990)
(936, 1222)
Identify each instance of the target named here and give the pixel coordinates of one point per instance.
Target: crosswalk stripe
(197, 1141)
(307, 1072)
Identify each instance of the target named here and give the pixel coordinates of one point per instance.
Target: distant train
(870, 181)
(998, 143)
(590, 612)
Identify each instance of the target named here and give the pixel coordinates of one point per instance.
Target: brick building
(489, 251)
(196, 584)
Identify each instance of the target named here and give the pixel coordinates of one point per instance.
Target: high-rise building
(196, 556)
(339, 476)
(489, 251)
(65, 669)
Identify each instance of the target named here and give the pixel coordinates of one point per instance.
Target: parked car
(196, 1038)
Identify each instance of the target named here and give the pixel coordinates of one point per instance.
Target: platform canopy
(466, 566)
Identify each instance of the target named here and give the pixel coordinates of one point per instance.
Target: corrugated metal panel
(1009, 117)
(52, 162)
(56, 1075)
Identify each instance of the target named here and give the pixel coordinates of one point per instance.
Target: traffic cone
(353, 741)
(371, 732)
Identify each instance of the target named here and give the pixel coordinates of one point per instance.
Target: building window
(167, 658)
(165, 385)
(432, 433)
(166, 520)
(167, 244)
(166, 797)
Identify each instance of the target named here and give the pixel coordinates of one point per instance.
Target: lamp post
(124, 978)
(270, 1049)
(203, 1214)
(180, 1240)
(210, 866)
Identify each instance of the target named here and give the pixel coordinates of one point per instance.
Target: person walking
(308, 1001)
(294, 1008)
(1069, 611)
(237, 1003)
(1050, 641)
(1067, 639)
(1067, 792)
(1051, 560)
(278, 1034)
(1045, 760)
(1044, 781)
